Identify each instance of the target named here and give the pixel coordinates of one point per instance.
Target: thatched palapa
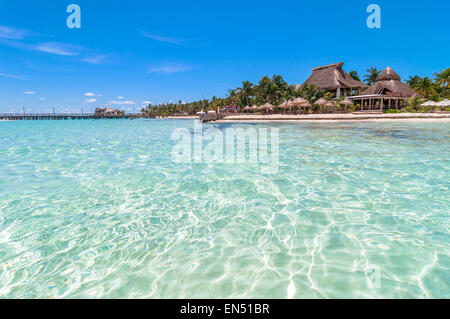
(320, 101)
(300, 102)
(387, 92)
(333, 78)
(346, 102)
(389, 83)
(267, 106)
(284, 105)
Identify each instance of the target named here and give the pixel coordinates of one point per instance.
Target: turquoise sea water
(97, 209)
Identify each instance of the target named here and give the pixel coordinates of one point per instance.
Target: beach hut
(388, 91)
(389, 83)
(247, 108)
(332, 78)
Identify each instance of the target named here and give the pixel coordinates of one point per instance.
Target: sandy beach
(410, 117)
(184, 117)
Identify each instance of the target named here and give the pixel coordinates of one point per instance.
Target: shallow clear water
(99, 209)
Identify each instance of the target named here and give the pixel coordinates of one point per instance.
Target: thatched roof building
(333, 78)
(389, 83)
(387, 92)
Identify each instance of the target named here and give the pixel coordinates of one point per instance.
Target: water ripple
(98, 209)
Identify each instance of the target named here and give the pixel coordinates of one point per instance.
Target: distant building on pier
(107, 111)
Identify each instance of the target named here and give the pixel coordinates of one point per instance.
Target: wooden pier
(67, 116)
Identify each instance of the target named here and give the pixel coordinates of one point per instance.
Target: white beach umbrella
(444, 103)
(429, 103)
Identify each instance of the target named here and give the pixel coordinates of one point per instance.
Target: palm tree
(443, 78)
(425, 86)
(311, 92)
(246, 91)
(266, 90)
(354, 75)
(371, 75)
(413, 81)
(281, 88)
(232, 92)
(279, 81)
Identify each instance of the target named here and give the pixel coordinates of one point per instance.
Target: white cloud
(7, 32)
(12, 76)
(47, 47)
(59, 48)
(169, 68)
(147, 102)
(43, 99)
(90, 101)
(120, 97)
(162, 38)
(98, 59)
(91, 94)
(30, 92)
(122, 102)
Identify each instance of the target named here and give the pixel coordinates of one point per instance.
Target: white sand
(403, 117)
(184, 117)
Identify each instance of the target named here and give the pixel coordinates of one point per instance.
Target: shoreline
(184, 117)
(386, 117)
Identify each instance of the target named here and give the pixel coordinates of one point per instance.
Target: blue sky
(130, 52)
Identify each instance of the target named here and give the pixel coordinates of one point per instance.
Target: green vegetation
(442, 79)
(273, 90)
(276, 90)
(371, 75)
(354, 75)
(432, 89)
